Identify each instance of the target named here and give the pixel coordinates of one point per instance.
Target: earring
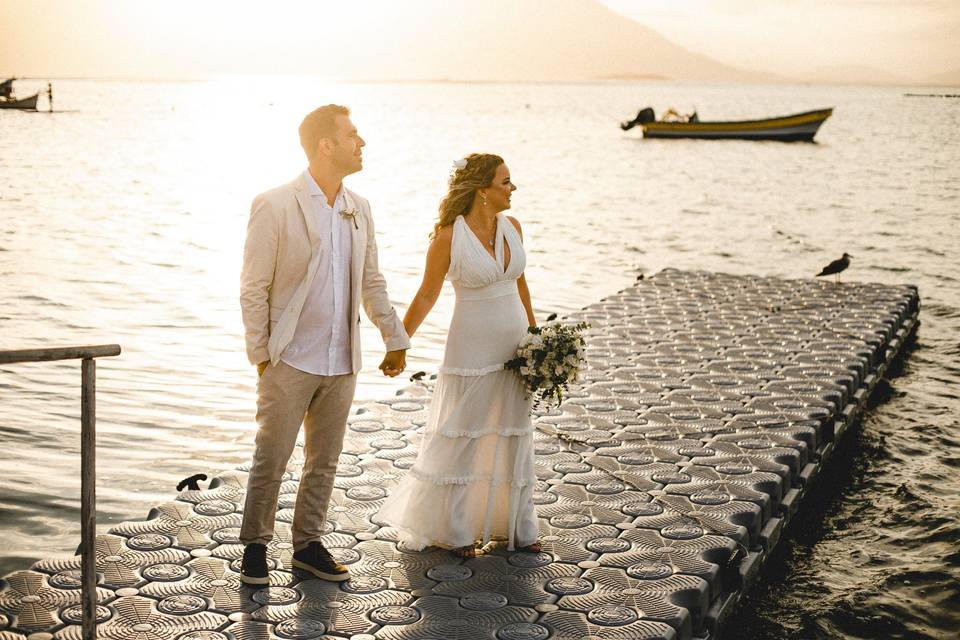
(483, 196)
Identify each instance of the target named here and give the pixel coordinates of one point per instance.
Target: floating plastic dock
(710, 405)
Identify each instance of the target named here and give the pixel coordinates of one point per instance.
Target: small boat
(796, 127)
(9, 101)
(29, 104)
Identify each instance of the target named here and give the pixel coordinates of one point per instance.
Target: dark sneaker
(253, 569)
(315, 559)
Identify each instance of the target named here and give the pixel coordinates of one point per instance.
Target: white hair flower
(460, 164)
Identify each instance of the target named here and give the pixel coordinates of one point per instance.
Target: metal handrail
(88, 460)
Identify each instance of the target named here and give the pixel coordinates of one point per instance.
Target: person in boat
(672, 115)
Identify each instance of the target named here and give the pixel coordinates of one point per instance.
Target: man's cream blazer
(280, 260)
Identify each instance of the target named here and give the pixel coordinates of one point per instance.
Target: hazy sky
(910, 39)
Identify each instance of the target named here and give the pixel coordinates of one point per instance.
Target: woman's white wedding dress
(474, 474)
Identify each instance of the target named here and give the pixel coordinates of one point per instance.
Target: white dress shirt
(321, 343)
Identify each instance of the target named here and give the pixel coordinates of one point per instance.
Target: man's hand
(394, 363)
(261, 367)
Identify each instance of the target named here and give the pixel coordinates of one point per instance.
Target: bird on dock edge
(835, 267)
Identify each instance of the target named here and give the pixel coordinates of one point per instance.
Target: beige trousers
(287, 398)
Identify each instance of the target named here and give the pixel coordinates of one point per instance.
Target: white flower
(350, 214)
(536, 340)
(460, 164)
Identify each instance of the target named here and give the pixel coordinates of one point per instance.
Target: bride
(473, 479)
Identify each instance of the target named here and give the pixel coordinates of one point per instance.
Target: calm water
(122, 220)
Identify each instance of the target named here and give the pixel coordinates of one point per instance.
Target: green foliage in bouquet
(549, 359)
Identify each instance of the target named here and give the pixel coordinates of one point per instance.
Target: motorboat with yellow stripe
(790, 128)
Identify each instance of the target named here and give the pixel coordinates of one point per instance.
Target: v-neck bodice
(472, 266)
(499, 255)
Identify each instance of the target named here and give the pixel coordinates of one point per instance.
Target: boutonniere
(352, 215)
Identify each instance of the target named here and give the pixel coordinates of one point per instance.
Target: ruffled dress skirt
(474, 478)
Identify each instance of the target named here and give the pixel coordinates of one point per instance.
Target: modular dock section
(710, 405)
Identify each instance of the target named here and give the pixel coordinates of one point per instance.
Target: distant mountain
(855, 74)
(546, 40)
(946, 79)
(491, 40)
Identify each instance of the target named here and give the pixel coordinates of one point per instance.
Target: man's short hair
(320, 123)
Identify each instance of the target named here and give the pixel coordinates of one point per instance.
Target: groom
(309, 262)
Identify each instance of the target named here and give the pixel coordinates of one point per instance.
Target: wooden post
(88, 495)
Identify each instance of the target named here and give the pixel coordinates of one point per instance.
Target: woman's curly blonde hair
(476, 174)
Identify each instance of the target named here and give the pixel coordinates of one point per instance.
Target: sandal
(468, 551)
(535, 547)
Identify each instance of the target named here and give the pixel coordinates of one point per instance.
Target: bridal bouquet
(549, 359)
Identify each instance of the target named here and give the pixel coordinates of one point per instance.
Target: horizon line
(625, 79)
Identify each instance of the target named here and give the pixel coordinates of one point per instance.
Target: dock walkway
(710, 405)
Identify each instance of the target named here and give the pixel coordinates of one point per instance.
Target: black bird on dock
(835, 267)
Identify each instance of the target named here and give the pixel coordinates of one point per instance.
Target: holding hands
(394, 363)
